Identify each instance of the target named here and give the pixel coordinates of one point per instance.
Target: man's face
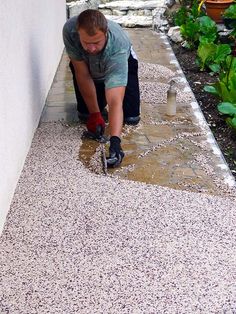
(92, 44)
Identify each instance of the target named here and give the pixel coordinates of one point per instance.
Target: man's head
(92, 29)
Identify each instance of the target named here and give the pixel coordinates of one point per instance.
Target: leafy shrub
(229, 110)
(230, 12)
(179, 17)
(200, 32)
(225, 89)
(208, 29)
(190, 32)
(195, 27)
(212, 56)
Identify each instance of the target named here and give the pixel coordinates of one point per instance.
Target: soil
(224, 135)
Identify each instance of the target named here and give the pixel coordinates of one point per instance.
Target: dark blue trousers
(131, 102)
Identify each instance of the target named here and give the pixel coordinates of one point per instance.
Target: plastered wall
(31, 47)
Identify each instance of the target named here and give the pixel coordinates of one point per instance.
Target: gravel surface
(153, 89)
(77, 242)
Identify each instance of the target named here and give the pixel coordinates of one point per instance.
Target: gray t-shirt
(111, 64)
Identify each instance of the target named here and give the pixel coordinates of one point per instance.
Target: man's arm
(86, 85)
(95, 123)
(114, 97)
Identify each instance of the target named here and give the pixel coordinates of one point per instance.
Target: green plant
(200, 31)
(212, 56)
(229, 19)
(230, 12)
(190, 32)
(180, 16)
(225, 89)
(198, 28)
(229, 110)
(210, 53)
(208, 29)
(186, 13)
(186, 3)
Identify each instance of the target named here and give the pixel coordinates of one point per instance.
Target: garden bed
(225, 136)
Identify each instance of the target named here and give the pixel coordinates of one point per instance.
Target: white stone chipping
(75, 242)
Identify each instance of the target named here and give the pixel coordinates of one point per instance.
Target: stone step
(132, 5)
(131, 20)
(131, 13)
(126, 13)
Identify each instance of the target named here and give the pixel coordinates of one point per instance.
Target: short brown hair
(91, 21)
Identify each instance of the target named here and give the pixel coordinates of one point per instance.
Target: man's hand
(116, 153)
(96, 122)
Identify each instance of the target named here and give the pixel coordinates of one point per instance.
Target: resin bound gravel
(77, 242)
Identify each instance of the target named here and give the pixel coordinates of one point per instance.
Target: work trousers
(131, 102)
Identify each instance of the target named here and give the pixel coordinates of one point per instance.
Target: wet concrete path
(178, 152)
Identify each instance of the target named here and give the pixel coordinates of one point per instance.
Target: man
(104, 71)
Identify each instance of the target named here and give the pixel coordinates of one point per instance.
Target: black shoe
(83, 117)
(132, 120)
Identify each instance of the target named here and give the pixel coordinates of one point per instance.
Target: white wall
(31, 46)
